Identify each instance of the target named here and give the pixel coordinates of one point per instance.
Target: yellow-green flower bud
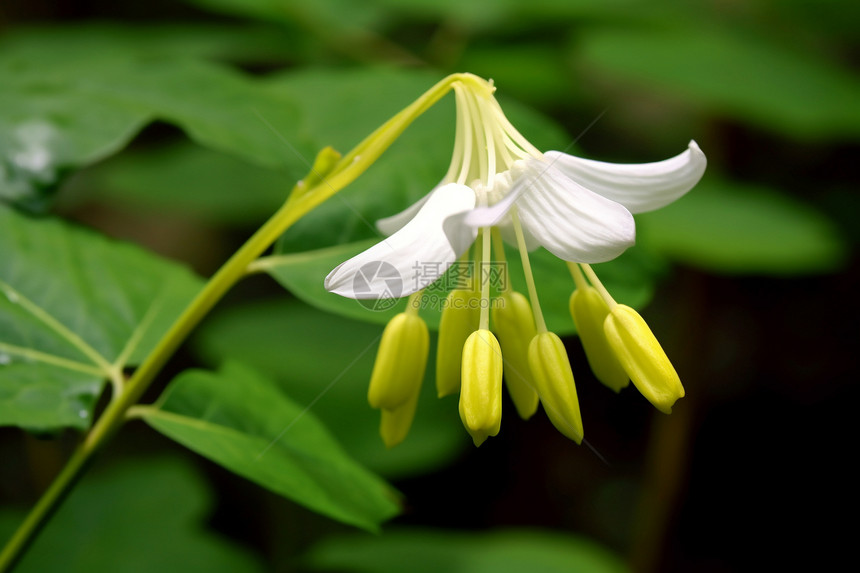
(554, 378)
(324, 164)
(514, 324)
(643, 358)
(589, 312)
(394, 424)
(400, 362)
(460, 317)
(481, 392)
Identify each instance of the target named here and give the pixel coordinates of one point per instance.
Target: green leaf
(748, 77)
(47, 130)
(324, 361)
(319, 15)
(429, 551)
(242, 421)
(189, 179)
(216, 107)
(729, 228)
(89, 39)
(75, 309)
(116, 520)
(68, 107)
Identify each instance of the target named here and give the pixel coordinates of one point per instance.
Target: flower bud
(400, 362)
(554, 378)
(589, 312)
(514, 324)
(481, 392)
(643, 358)
(324, 163)
(394, 424)
(460, 317)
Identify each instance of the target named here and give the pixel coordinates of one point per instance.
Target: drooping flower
(578, 209)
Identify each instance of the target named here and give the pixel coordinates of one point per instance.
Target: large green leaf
(186, 179)
(324, 361)
(137, 517)
(67, 107)
(319, 16)
(48, 129)
(241, 420)
(375, 14)
(89, 39)
(75, 308)
(730, 228)
(429, 551)
(780, 87)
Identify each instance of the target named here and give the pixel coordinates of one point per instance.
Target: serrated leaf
(115, 520)
(241, 420)
(763, 82)
(75, 309)
(737, 229)
(429, 551)
(325, 361)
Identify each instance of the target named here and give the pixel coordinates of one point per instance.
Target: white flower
(578, 209)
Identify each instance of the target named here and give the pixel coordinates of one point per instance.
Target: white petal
(410, 259)
(392, 224)
(572, 222)
(461, 227)
(639, 187)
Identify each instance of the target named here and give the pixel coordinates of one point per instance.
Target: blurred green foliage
(109, 523)
(499, 552)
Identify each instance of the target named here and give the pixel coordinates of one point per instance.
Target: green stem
(499, 247)
(540, 323)
(595, 282)
(485, 280)
(577, 275)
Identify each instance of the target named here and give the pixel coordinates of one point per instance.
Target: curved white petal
(572, 222)
(461, 227)
(392, 224)
(639, 187)
(410, 259)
